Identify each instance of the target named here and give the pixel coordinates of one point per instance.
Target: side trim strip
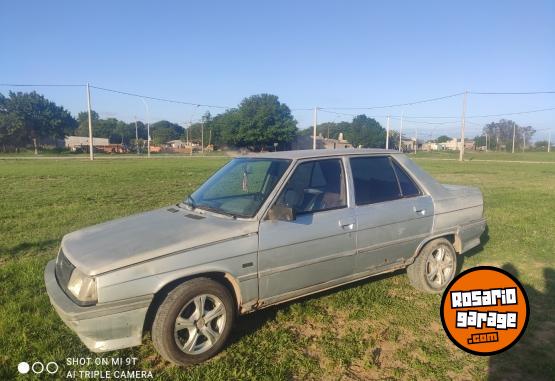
(393, 223)
(246, 277)
(305, 263)
(325, 286)
(391, 243)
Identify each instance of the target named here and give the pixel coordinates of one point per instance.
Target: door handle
(347, 223)
(421, 212)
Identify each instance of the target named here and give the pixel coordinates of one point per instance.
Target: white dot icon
(23, 367)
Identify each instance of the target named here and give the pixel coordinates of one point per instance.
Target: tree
(83, 121)
(117, 131)
(164, 131)
(366, 132)
(362, 130)
(500, 134)
(541, 145)
(30, 117)
(480, 141)
(258, 122)
(443, 139)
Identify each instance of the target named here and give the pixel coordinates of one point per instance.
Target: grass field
(374, 329)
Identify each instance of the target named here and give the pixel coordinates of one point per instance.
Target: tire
(193, 322)
(434, 267)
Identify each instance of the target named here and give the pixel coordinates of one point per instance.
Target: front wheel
(193, 322)
(434, 267)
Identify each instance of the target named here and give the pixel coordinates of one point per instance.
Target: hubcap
(199, 324)
(440, 266)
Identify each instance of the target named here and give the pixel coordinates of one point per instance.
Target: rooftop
(308, 153)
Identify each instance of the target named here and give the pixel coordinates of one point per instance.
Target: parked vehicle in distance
(264, 229)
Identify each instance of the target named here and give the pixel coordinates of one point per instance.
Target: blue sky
(309, 53)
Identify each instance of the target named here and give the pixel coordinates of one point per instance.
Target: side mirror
(281, 213)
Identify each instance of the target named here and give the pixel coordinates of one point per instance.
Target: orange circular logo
(484, 310)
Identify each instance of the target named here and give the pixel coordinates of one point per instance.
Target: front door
(319, 245)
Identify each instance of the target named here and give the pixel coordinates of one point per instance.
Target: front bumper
(102, 327)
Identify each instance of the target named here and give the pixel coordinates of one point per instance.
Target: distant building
(75, 143)
(176, 144)
(430, 146)
(451, 145)
(306, 142)
(407, 145)
(179, 146)
(81, 143)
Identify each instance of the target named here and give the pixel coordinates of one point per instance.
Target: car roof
(308, 153)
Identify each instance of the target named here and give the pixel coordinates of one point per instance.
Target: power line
(511, 93)
(336, 113)
(513, 113)
(158, 99)
(40, 85)
(397, 105)
(324, 109)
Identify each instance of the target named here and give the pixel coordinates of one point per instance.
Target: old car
(262, 230)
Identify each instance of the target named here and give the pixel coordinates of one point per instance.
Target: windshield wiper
(216, 210)
(190, 201)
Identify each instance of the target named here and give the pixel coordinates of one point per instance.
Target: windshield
(240, 187)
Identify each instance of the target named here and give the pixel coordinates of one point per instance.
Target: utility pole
(315, 122)
(524, 140)
(401, 133)
(549, 142)
(91, 149)
(136, 135)
(514, 134)
(461, 150)
(415, 139)
(202, 136)
(387, 134)
(147, 128)
(486, 142)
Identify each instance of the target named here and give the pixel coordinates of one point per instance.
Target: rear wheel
(193, 322)
(434, 267)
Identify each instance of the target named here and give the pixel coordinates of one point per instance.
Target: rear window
(374, 180)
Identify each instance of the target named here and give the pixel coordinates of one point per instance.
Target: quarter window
(315, 186)
(408, 187)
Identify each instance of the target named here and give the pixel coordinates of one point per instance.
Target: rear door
(319, 245)
(393, 214)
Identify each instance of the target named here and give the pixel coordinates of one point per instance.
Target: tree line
(500, 135)
(257, 123)
(29, 118)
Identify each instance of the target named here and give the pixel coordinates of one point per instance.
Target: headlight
(82, 287)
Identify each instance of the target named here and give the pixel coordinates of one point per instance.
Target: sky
(328, 54)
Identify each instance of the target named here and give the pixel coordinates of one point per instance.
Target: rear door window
(374, 180)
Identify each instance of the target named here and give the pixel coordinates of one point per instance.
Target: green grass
(376, 329)
(490, 155)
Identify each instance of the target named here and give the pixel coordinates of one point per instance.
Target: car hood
(125, 241)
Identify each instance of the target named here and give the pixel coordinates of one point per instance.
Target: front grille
(64, 268)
